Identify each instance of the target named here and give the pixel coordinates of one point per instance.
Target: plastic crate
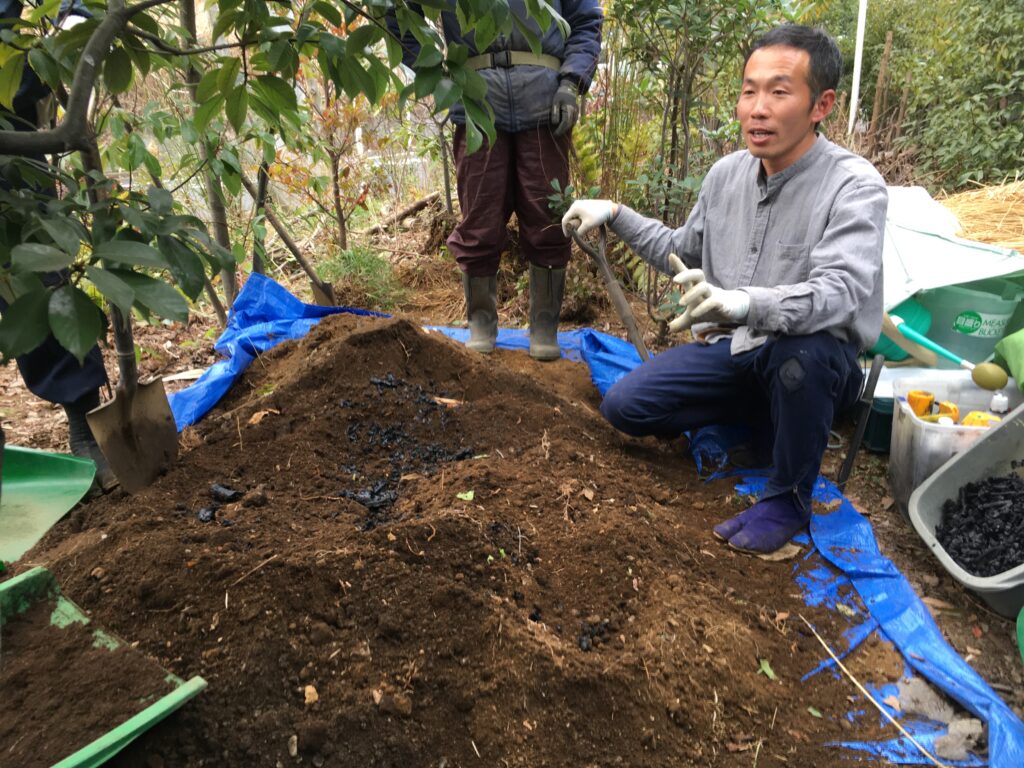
(990, 456)
(918, 448)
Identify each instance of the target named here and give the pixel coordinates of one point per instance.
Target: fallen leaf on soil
(814, 712)
(447, 402)
(465, 495)
(392, 537)
(766, 670)
(312, 697)
(781, 615)
(259, 416)
(846, 610)
(976, 631)
(974, 651)
(588, 494)
(410, 477)
(887, 503)
(786, 552)
(737, 746)
(293, 745)
(937, 604)
(892, 701)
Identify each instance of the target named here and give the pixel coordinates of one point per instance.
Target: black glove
(565, 108)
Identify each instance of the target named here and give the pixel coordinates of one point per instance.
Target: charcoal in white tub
(993, 455)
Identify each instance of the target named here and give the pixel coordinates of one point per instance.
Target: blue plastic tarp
(844, 559)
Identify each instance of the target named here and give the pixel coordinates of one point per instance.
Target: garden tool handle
(618, 298)
(927, 343)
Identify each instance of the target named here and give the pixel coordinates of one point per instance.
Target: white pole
(858, 56)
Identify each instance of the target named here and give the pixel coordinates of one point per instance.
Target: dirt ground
(445, 559)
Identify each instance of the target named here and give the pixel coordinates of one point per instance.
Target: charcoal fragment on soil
(225, 494)
(206, 514)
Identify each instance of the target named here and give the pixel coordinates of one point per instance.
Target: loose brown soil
(58, 692)
(448, 559)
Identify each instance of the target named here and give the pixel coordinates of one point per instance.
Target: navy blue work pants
(53, 373)
(787, 390)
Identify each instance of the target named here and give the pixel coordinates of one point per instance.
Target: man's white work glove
(565, 108)
(703, 302)
(586, 215)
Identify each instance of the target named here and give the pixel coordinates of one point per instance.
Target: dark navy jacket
(521, 96)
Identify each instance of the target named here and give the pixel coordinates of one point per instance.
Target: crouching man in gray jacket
(781, 266)
(535, 99)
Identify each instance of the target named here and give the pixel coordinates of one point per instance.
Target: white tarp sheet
(923, 251)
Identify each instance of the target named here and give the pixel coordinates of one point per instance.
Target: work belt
(513, 59)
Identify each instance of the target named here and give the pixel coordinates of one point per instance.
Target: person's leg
(683, 388)
(808, 379)
(541, 158)
(484, 188)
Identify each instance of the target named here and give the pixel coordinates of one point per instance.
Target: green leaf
(766, 670)
(429, 56)
(185, 266)
(160, 200)
(236, 107)
(66, 234)
(446, 94)
(115, 290)
(25, 324)
(137, 53)
(44, 66)
(10, 79)
(814, 712)
(207, 86)
(228, 75)
(465, 495)
(277, 92)
(474, 139)
(74, 320)
(426, 81)
(129, 252)
(156, 295)
(206, 112)
(328, 11)
(117, 71)
(36, 257)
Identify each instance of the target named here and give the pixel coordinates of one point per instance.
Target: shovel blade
(136, 434)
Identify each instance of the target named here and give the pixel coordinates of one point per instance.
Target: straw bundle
(992, 215)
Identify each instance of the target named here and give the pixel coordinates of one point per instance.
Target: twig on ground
(250, 572)
(869, 697)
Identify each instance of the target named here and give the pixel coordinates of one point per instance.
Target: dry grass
(993, 214)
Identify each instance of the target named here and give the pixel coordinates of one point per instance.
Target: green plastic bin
(18, 594)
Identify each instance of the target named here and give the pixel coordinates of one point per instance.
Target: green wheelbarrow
(1020, 633)
(37, 490)
(165, 692)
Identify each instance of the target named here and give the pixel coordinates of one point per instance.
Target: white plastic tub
(918, 448)
(990, 456)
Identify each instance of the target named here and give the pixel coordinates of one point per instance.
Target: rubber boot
(547, 286)
(482, 311)
(83, 444)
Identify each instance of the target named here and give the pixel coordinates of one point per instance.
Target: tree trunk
(878, 107)
(339, 211)
(323, 292)
(442, 138)
(214, 193)
(258, 240)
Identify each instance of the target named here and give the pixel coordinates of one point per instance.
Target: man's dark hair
(826, 61)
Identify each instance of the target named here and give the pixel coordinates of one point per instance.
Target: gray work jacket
(804, 243)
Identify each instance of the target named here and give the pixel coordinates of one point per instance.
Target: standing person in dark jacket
(50, 371)
(535, 99)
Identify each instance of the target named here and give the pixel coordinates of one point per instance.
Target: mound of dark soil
(444, 559)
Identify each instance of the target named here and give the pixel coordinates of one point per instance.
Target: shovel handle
(124, 343)
(614, 289)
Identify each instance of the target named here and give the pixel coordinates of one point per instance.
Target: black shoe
(547, 287)
(482, 311)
